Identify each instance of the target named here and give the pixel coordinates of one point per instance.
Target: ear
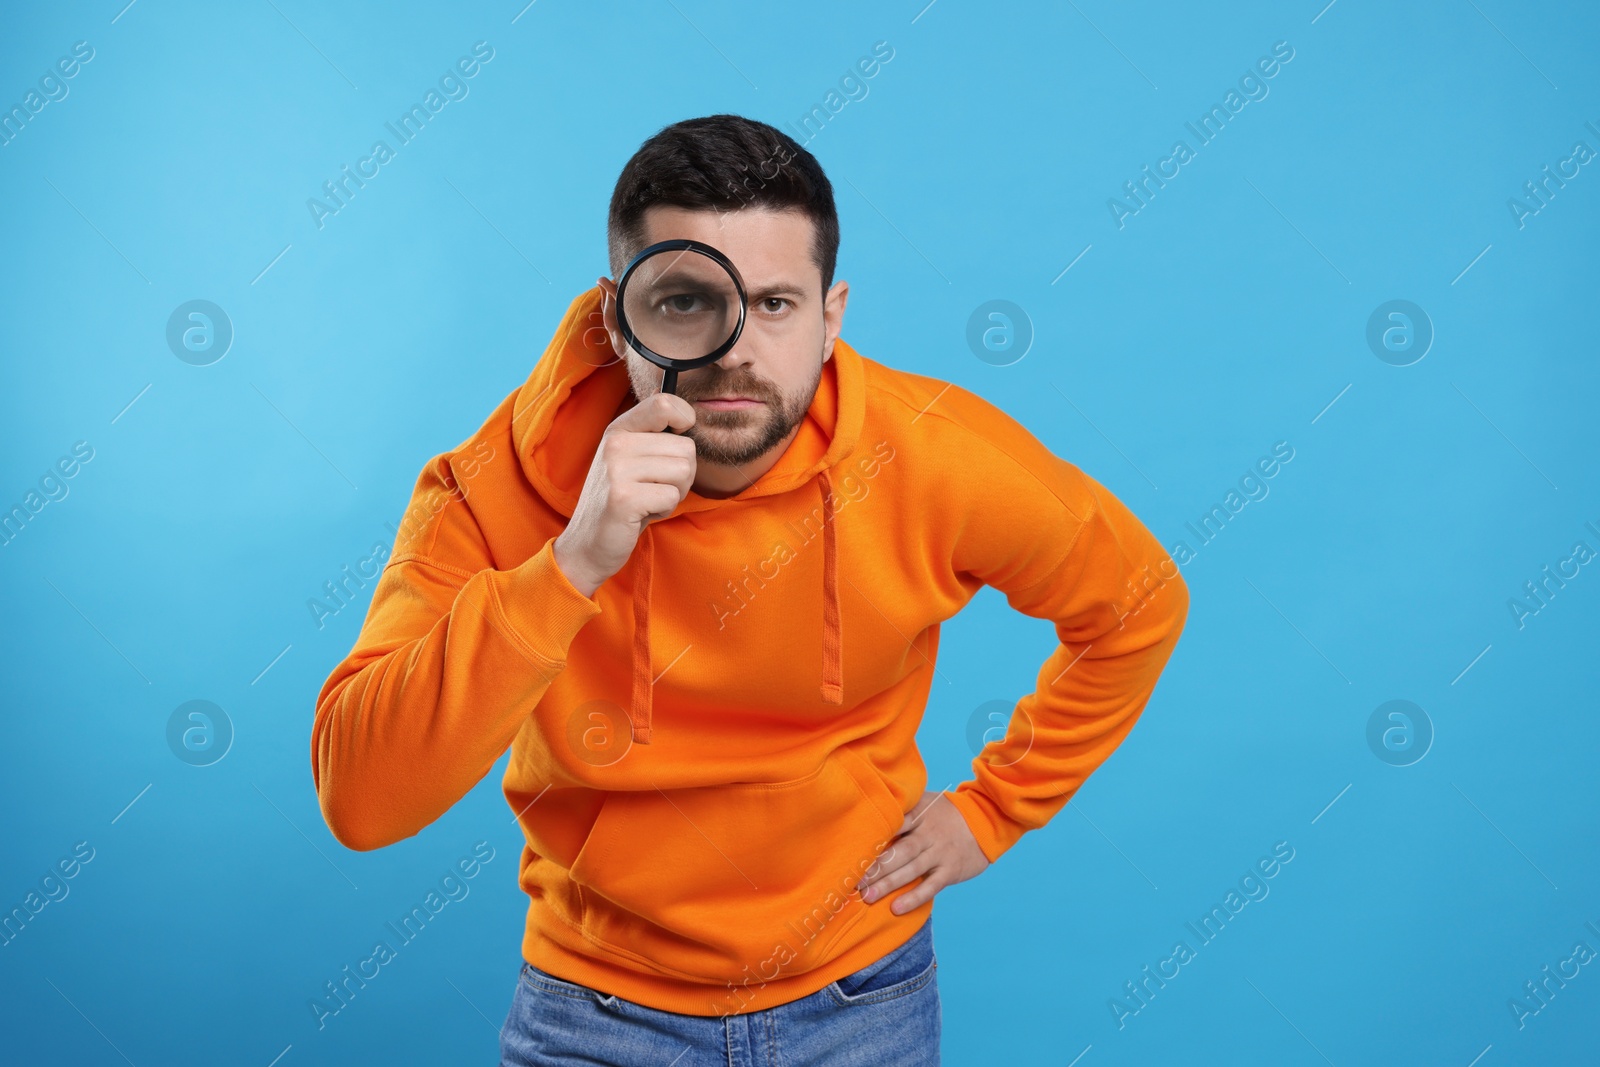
(833, 316)
(608, 314)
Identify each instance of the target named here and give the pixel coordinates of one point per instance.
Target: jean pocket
(901, 972)
(545, 982)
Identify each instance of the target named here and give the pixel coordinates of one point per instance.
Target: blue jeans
(884, 1015)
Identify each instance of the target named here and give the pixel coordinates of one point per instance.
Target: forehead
(766, 245)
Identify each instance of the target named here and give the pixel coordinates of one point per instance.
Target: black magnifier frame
(670, 365)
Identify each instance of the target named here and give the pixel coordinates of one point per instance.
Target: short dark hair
(722, 161)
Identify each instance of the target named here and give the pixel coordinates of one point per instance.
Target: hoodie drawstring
(642, 701)
(832, 637)
(643, 681)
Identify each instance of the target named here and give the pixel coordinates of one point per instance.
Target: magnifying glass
(681, 304)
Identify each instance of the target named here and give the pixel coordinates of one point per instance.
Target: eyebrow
(777, 289)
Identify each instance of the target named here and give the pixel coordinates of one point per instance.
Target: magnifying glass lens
(681, 305)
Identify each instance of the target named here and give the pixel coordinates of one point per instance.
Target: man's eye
(769, 301)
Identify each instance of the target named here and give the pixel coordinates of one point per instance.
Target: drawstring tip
(832, 693)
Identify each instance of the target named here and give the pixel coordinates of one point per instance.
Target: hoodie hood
(579, 386)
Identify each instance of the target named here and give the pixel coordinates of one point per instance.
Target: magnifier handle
(669, 384)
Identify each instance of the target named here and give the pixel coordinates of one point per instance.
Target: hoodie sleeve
(451, 658)
(1060, 547)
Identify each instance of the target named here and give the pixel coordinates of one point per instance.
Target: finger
(619, 449)
(903, 851)
(657, 412)
(649, 443)
(654, 470)
(884, 884)
(656, 502)
(915, 898)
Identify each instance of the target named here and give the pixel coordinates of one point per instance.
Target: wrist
(571, 564)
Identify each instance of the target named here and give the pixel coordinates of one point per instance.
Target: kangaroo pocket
(733, 882)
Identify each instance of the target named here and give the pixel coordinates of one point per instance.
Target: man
(709, 650)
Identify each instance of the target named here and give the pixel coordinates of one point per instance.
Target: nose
(740, 355)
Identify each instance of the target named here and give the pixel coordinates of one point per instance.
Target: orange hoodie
(707, 755)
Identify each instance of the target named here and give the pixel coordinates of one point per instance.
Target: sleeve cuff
(541, 605)
(994, 832)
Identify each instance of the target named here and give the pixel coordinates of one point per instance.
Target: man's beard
(735, 437)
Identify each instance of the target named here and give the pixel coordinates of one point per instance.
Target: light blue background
(1227, 315)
